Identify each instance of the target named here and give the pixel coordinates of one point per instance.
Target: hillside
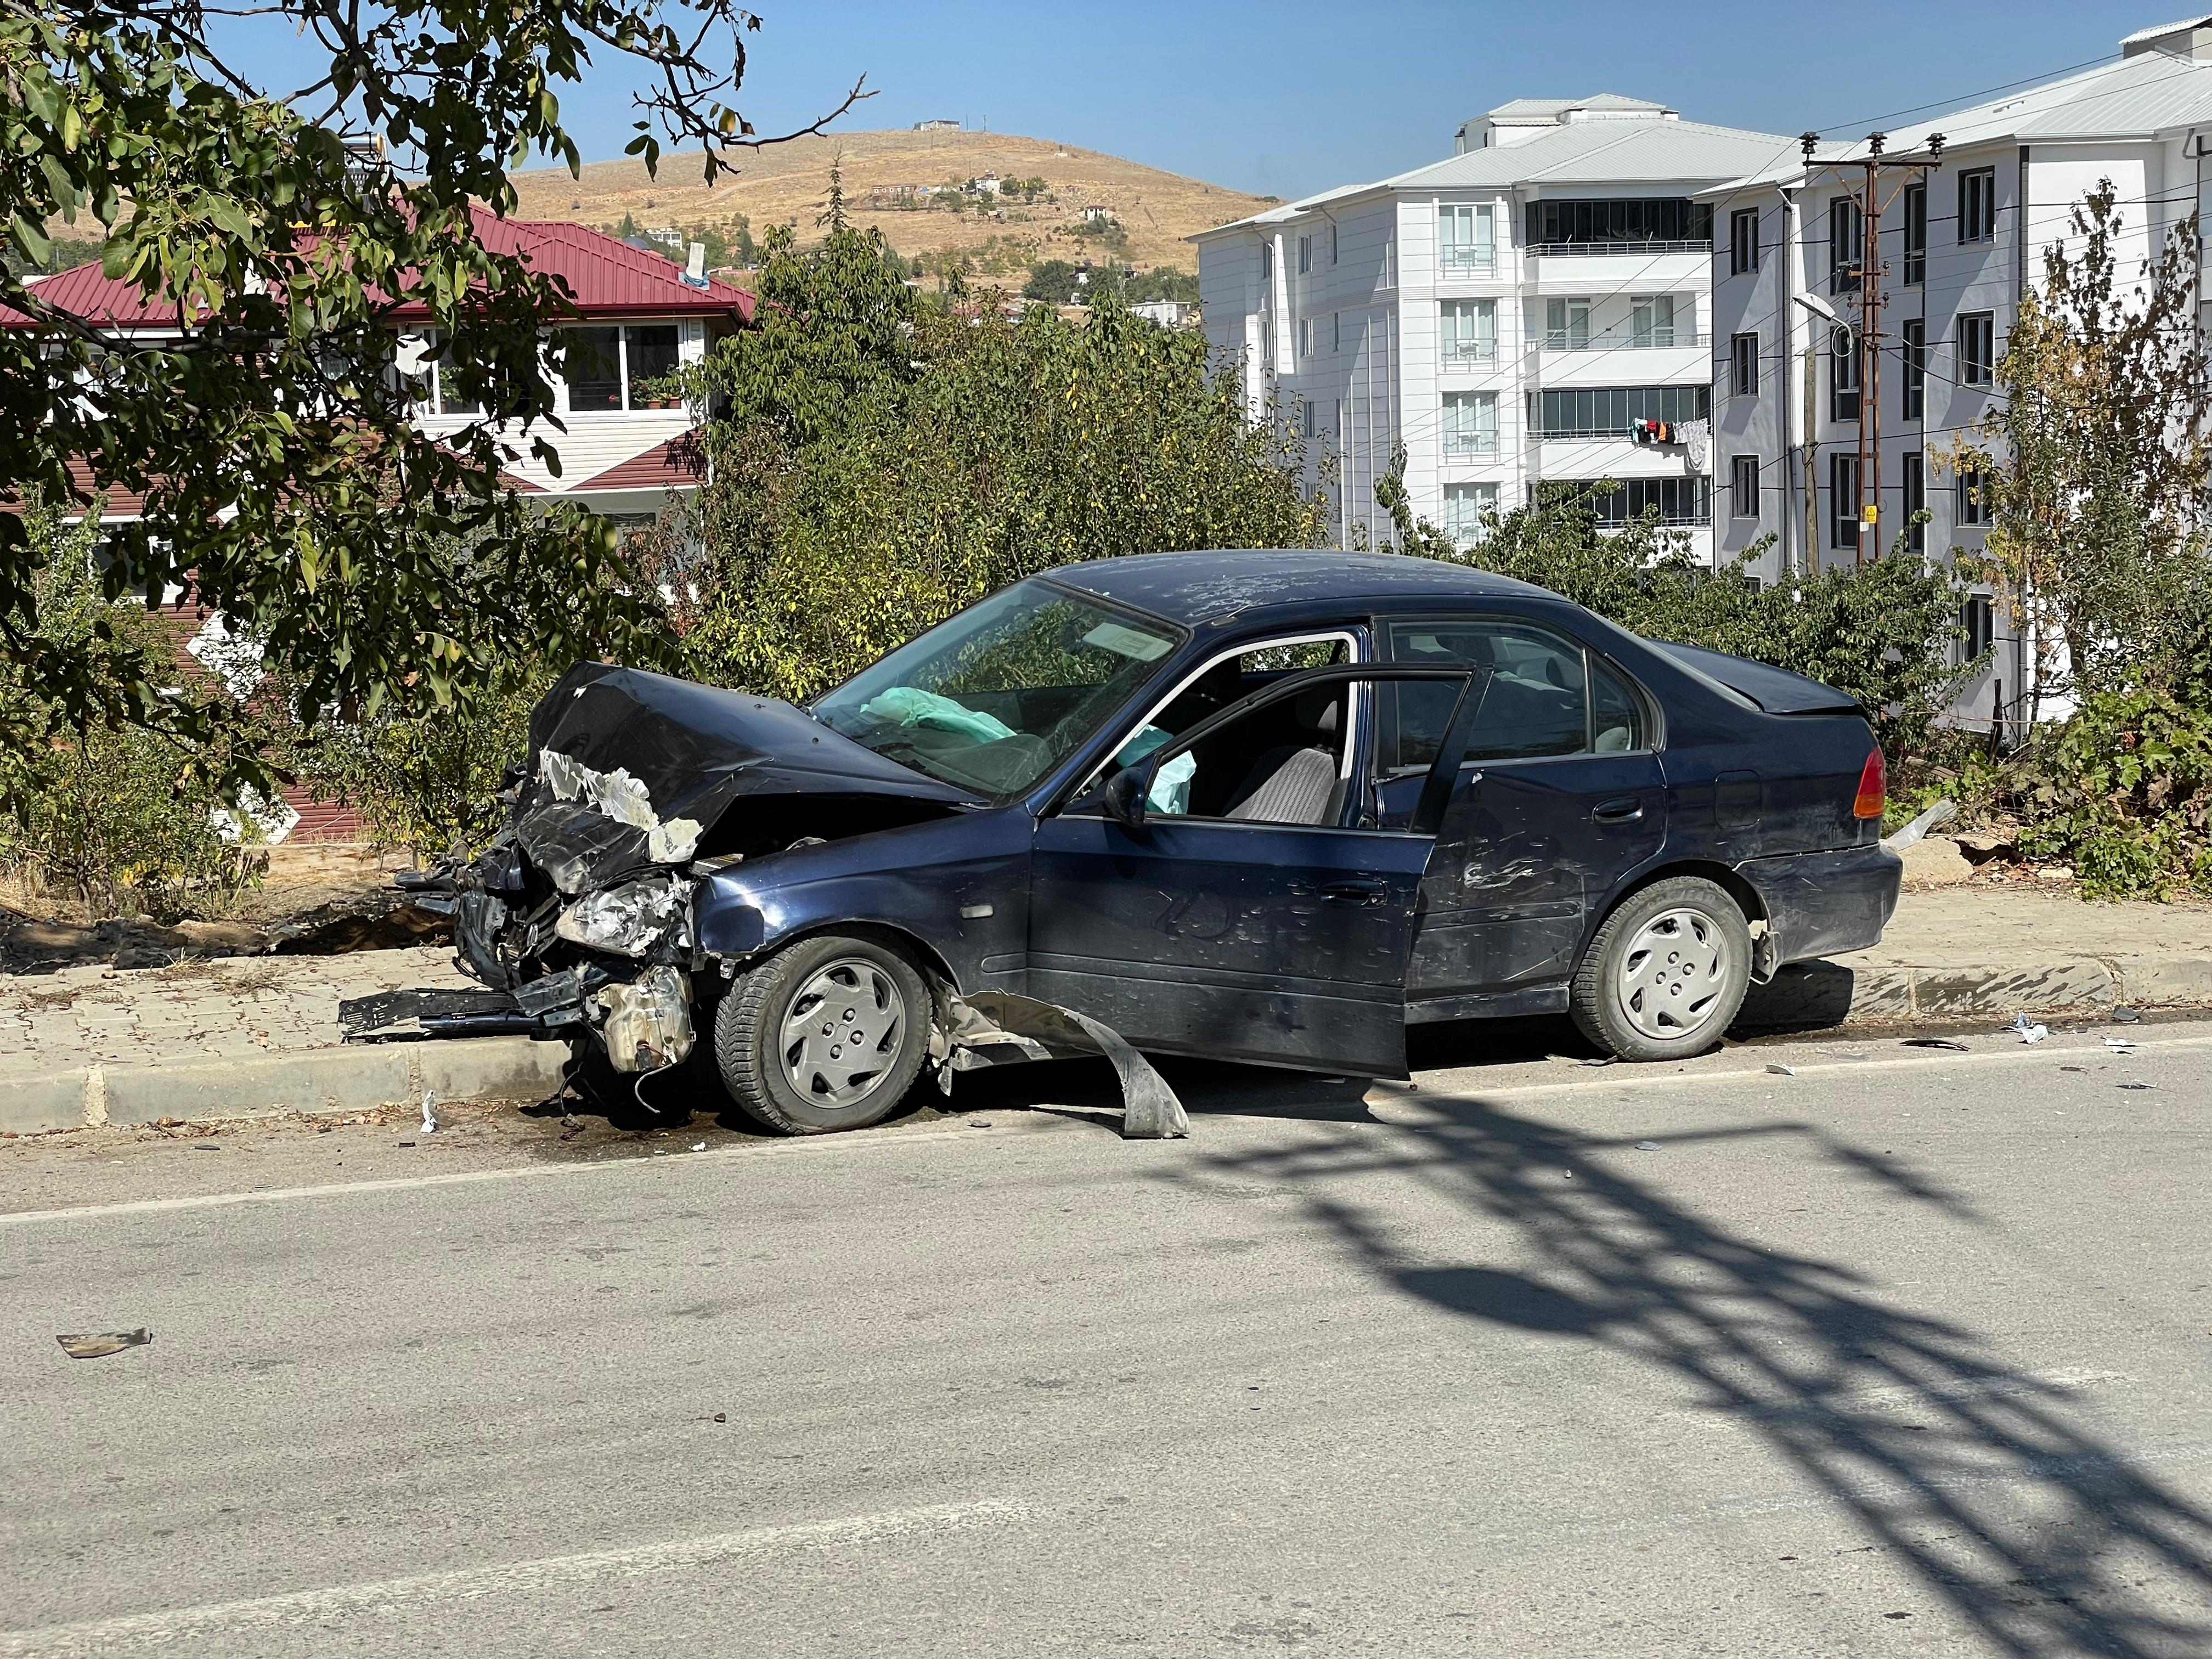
(788, 183)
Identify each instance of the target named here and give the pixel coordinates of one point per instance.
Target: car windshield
(999, 695)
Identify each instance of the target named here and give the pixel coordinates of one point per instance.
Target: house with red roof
(637, 318)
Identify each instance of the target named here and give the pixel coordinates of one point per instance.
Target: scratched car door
(1202, 933)
(1560, 798)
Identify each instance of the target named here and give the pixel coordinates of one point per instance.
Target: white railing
(1453, 260)
(1657, 339)
(1469, 351)
(1588, 249)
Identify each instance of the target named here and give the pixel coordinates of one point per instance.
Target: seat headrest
(1316, 708)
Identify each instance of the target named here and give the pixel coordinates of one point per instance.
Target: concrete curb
(1824, 995)
(361, 1077)
(355, 1078)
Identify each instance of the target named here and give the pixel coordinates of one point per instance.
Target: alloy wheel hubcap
(1673, 975)
(841, 1032)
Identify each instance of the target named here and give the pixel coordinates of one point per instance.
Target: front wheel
(827, 1035)
(1666, 973)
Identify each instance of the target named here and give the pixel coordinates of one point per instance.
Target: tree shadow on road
(1990, 1485)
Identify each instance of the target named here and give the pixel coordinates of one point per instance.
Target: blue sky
(1289, 97)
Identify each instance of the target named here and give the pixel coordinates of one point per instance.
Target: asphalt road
(1900, 1354)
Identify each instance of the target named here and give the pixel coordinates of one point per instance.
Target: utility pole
(1866, 349)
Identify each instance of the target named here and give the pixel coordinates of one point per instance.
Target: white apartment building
(1957, 246)
(1508, 314)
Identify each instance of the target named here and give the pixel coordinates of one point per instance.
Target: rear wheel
(827, 1035)
(1666, 973)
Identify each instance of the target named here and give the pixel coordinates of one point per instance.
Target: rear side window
(1547, 695)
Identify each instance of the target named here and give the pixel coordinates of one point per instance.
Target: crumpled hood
(689, 752)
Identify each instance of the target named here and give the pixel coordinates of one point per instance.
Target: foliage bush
(117, 815)
(884, 462)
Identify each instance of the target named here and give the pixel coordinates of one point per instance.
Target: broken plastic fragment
(93, 1345)
(2029, 1031)
(648, 1024)
(2120, 1045)
(430, 1111)
(1935, 1043)
(1940, 813)
(2123, 1015)
(629, 920)
(1780, 1070)
(1150, 1110)
(1647, 1145)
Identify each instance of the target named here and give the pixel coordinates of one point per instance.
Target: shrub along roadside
(115, 815)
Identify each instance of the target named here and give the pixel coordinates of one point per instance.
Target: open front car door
(1232, 895)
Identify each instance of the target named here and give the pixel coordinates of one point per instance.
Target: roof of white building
(2136, 96)
(1608, 103)
(1657, 151)
(2144, 37)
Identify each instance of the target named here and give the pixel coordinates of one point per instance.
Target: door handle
(1357, 890)
(1626, 810)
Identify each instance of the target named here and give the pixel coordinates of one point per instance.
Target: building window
(1846, 249)
(1978, 205)
(1843, 501)
(1915, 234)
(1743, 479)
(433, 388)
(1743, 365)
(1469, 332)
(1266, 260)
(1305, 338)
(1743, 241)
(1651, 320)
(1467, 507)
(1470, 423)
(627, 366)
(1912, 335)
(1335, 331)
(1978, 356)
(1649, 223)
(1843, 375)
(1467, 241)
(1566, 325)
(1613, 411)
(1332, 242)
(1305, 254)
(1674, 501)
(1305, 418)
(1973, 506)
(1978, 622)
(1912, 499)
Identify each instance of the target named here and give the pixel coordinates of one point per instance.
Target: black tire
(864, 1081)
(1637, 999)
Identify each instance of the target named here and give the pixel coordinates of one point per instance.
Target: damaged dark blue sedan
(1264, 806)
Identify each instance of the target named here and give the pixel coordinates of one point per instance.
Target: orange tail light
(1874, 786)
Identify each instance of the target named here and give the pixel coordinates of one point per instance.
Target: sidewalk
(243, 1035)
(233, 1036)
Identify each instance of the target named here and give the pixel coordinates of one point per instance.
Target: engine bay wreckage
(605, 915)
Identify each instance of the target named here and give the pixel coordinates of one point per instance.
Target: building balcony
(1619, 267)
(1686, 360)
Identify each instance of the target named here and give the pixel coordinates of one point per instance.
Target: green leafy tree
(2094, 461)
(1052, 280)
(283, 480)
(1012, 447)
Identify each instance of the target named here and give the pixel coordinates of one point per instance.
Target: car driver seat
(1297, 786)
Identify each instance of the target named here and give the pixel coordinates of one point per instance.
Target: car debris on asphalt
(97, 1344)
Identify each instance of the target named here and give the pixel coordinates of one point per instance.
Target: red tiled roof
(679, 463)
(606, 277)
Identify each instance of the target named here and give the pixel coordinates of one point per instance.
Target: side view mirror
(1125, 794)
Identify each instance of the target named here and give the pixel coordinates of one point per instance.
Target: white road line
(811, 1144)
(1468, 1079)
(521, 1581)
(1403, 1111)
